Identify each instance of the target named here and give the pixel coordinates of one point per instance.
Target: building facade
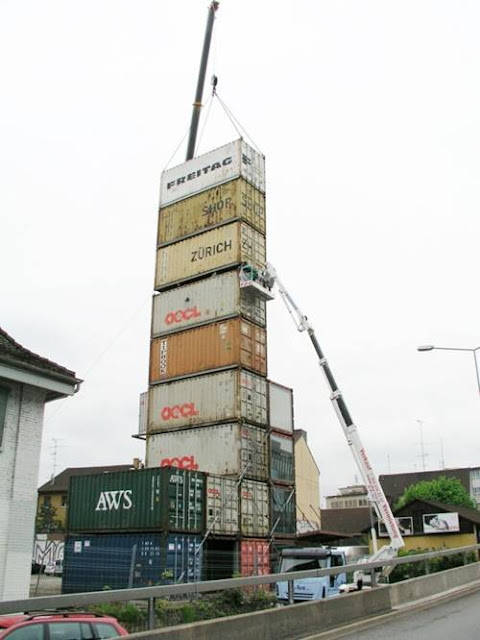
(27, 383)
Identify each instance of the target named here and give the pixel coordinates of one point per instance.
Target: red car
(60, 626)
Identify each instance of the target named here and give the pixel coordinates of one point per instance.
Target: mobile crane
(266, 281)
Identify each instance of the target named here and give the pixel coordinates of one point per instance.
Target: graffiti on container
(185, 462)
(114, 500)
(247, 494)
(214, 493)
(174, 317)
(207, 252)
(163, 357)
(179, 411)
(48, 551)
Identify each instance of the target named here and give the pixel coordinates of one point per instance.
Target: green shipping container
(163, 499)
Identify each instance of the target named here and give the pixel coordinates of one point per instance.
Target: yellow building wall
(56, 500)
(433, 543)
(307, 485)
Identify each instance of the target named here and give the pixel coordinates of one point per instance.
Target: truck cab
(308, 558)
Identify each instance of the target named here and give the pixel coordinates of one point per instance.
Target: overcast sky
(368, 115)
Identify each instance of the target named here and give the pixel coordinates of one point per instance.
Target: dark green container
(160, 499)
(281, 458)
(283, 516)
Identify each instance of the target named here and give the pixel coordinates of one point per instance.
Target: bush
(416, 569)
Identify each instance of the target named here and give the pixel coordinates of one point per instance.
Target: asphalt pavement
(457, 617)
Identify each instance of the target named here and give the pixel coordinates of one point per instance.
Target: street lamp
(431, 347)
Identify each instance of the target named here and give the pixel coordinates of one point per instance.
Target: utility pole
(197, 105)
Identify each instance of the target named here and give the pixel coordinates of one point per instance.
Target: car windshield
(302, 564)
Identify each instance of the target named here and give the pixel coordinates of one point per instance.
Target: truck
(268, 280)
(306, 559)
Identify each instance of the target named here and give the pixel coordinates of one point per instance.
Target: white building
(27, 382)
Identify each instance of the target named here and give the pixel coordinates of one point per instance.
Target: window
(4, 392)
(28, 632)
(105, 630)
(67, 630)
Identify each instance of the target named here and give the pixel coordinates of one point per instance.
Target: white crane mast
(375, 492)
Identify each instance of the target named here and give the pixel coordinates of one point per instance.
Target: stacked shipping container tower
(208, 406)
(219, 434)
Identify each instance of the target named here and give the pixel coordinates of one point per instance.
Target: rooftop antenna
(423, 455)
(197, 105)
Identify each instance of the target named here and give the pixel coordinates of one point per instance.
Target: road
(457, 618)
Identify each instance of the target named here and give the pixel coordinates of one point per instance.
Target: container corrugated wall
(280, 407)
(283, 516)
(214, 346)
(223, 450)
(254, 557)
(222, 505)
(200, 400)
(209, 300)
(281, 458)
(94, 562)
(233, 160)
(220, 248)
(161, 499)
(254, 508)
(234, 200)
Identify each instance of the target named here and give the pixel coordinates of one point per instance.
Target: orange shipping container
(231, 343)
(236, 199)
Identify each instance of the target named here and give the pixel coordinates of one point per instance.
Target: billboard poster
(405, 524)
(440, 522)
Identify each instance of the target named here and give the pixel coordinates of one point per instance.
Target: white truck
(266, 281)
(305, 559)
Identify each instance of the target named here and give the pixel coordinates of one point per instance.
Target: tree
(46, 522)
(446, 490)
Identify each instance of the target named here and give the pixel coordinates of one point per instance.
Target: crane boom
(374, 488)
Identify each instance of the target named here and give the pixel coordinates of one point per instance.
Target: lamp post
(431, 347)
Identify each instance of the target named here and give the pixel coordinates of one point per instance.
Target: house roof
(395, 484)
(354, 520)
(16, 357)
(473, 515)
(60, 483)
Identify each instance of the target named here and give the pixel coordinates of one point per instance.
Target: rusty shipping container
(281, 458)
(211, 299)
(280, 406)
(254, 557)
(200, 400)
(233, 160)
(223, 450)
(222, 505)
(220, 248)
(235, 200)
(141, 500)
(213, 346)
(254, 508)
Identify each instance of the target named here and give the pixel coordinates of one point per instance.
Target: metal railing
(150, 594)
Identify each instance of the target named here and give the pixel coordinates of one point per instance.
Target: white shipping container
(207, 300)
(222, 505)
(254, 508)
(233, 160)
(219, 248)
(280, 403)
(225, 396)
(225, 450)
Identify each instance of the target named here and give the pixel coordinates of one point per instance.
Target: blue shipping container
(122, 561)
